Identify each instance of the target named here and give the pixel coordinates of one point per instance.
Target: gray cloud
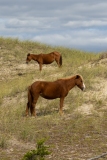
(76, 24)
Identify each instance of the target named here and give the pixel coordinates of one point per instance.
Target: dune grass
(74, 135)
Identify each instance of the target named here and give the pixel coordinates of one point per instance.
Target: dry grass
(81, 133)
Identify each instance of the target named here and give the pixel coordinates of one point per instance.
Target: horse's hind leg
(57, 61)
(32, 108)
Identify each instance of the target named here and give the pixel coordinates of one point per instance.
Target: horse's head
(79, 82)
(28, 59)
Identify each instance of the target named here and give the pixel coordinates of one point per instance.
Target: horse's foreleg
(61, 105)
(40, 66)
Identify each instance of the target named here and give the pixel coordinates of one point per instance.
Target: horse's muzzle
(83, 87)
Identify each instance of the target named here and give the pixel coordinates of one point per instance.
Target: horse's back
(43, 84)
(53, 53)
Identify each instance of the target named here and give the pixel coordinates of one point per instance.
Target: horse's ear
(28, 54)
(77, 76)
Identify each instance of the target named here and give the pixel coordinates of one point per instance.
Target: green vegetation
(39, 153)
(81, 133)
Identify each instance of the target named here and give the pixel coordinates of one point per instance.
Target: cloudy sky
(79, 24)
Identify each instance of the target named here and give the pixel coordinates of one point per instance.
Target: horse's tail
(60, 60)
(29, 104)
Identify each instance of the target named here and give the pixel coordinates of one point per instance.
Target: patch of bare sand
(85, 109)
(99, 94)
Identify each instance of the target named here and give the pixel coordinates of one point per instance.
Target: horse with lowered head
(52, 90)
(45, 58)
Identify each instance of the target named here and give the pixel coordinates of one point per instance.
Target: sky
(77, 24)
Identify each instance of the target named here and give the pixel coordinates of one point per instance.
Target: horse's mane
(77, 76)
(28, 54)
(65, 78)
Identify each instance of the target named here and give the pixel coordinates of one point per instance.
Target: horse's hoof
(33, 116)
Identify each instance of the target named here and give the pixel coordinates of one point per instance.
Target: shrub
(103, 55)
(39, 153)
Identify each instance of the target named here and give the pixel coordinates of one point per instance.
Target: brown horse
(45, 58)
(52, 90)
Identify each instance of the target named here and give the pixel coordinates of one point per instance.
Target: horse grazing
(52, 90)
(45, 58)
